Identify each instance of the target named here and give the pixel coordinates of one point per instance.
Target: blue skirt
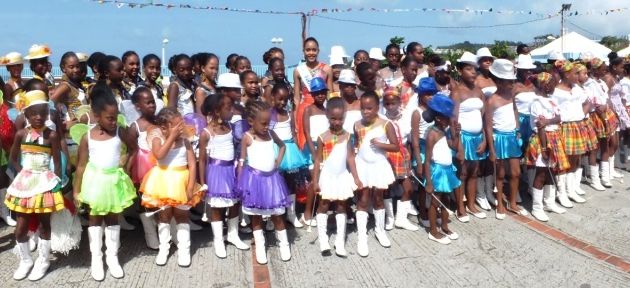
(444, 178)
(525, 128)
(307, 153)
(507, 145)
(423, 148)
(293, 158)
(470, 142)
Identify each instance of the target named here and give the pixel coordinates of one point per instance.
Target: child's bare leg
(515, 174)
(500, 175)
(469, 178)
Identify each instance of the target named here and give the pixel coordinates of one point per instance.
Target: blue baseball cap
(318, 84)
(427, 85)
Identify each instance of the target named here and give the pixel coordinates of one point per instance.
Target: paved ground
(576, 249)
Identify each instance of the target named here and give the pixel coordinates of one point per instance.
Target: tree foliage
(398, 40)
(614, 43)
(501, 49)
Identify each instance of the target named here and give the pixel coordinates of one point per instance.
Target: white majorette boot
(183, 244)
(33, 240)
(124, 225)
(26, 262)
(537, 205)
(259, 242)
(283, 244)
(594, 182)
(411, 209)
(613, 173)
(549, 200)
(561, 180)
(96, 243)
(112, 243)
(219, 245)
(232, 235)
(340, 239)
(322, 229)
(604, 167)
(578, 181)
(379, 228)
(401, 216)
(571, 184)
(291, 216)
(5, 214)
(150, 231)
(389, 214)
(164, 234)
(362, 241)
(43, 261)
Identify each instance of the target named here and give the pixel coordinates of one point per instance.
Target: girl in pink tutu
(264, 191)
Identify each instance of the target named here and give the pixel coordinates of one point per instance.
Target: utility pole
(565, 7)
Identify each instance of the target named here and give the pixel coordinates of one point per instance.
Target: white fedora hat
(484, 52)
(336, 60)
(339, 51)
(229, 80)
(347, 76)
(555, 55)
(503, 69)
(524, 61)
(13, 58)
(376, 53)
(468, 58)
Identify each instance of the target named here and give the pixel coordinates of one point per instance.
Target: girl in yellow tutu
(170, 186)
(101, 183)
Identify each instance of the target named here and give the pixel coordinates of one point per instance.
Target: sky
(87, 26)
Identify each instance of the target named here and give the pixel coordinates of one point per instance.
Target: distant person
(15, 65)
(180, 91)
(416, 51)
(207, 83)
(131, 70)
(522, 49)
(391, 74)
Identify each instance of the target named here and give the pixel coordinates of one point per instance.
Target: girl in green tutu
(101, 183)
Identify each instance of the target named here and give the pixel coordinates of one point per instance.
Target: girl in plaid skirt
(589, 124)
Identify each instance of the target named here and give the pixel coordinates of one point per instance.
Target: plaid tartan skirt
(401, 162)
(558, 160)
(588, 130)
(598, 125)
(574, 140)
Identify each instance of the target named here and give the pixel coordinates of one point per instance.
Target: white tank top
(470, 115)
(524, 100)
(142, 138)
(283, 129)
(318, 125)
(220, 146)
(503, 118)
(352, 116)
(184, 100)
(176, 157)
(424, 125)
(488, 91)
(261, 155)
(442, 153)
(104, 154)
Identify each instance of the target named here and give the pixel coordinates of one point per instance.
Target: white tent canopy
(574, 45)
(624, 52)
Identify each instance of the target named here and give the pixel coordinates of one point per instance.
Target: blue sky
(86, 26)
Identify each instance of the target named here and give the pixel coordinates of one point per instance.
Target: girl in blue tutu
(294, 165)
(264, 191)
(216, 169)
(441, 177)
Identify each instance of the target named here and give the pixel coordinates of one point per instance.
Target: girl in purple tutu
(264, 191)
(216, 169)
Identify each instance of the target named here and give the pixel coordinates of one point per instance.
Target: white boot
(411, 209)
(605, 172)
(389, 214)
(124, 225)
(217, 232)
(112, 242)
(594, 179)
(578, 182)
(401, 216)
(283, 244)
(549, 200)
(259, 241)
(26, 262)
(96, 243)
(5, 213)
(43, 261)
(379, 228)
(571, 184)
(322, 229)
(561, 180)
(362, 241)
(232, 235)
(291, 216)
(340, 239)
(183, 244)
(150, 231)
(33, 239)
(537, 205)
(164, 235)
(613, 173)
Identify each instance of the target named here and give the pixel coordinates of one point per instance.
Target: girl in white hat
(14, 63)
(38, 58)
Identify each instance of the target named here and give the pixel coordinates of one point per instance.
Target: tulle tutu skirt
(470, 143)
(377, 175)
(506, 145)
(263, 193)
(166, 186)
(525, 128)
(221, 181)
(293, 158)
(143, 163)
(444, 178)
(106, 190)
(336, 186)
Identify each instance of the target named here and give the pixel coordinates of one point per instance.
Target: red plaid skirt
(590, 136)
(558, 160)
(574, 141)
(400, 161)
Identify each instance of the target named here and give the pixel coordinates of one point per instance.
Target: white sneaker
(444, 240)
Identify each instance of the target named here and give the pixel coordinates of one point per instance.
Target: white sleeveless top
(352, 116)
(318, 125)
(184, 100)
(470, 115)
(142, 138)
(220, 146)
(261, 155)
(570, 105)
(442, 153)
(283, 129)
(488, 91)
(104, 154)
(503, 118)
(524, 100)
(548, 109)
(176, 157)
(424, 125)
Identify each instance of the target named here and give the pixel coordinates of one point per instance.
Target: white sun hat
(336, 60)
(503, 69)
(229, 80)
(13, 58)
(347, 76)
(555, 55)
(484, 52)
(338, 51)
(524, 61)
(468, 58)
(376, 53)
